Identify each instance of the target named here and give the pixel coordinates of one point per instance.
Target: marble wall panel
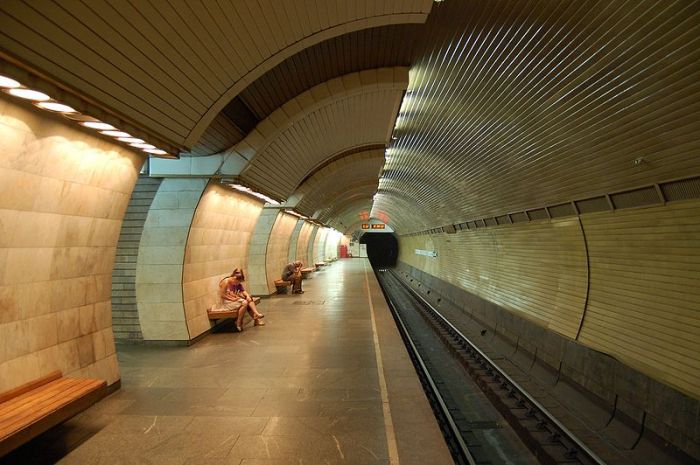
(218, 242)
(159, 294)
(278, 248)
(62, 200)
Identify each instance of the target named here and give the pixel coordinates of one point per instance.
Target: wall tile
(217, 243)
(62, 198)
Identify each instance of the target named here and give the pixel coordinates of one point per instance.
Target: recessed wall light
(98, 125)
(115, 133)
(8, 83)
(131, 140)
(29, 94)
(155, 151)
(141, 145)
(55, 106)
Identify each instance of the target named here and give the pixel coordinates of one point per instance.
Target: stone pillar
(310, 247)
(161, 257)
(293, 241)
(257, 273)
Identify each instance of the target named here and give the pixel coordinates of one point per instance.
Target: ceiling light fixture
(156, 151)
(250, 191)
(55, 106)
(29, 94)
(292, 212)
(98, 125)
(7, 83)
(131, 140)
(115, 133)
(45, 102)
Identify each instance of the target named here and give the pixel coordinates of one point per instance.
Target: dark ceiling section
(367, 49)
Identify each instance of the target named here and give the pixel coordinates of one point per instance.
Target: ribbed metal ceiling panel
(171, 66)
(363, 119)
(330, 184)
(517, 104)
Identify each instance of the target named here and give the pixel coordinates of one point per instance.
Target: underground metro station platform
(492, 209)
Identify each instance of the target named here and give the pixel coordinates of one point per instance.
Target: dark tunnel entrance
(382, 249)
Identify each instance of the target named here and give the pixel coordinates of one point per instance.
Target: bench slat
(18, 391)
(38, 412)
(45, 391)
(219, 315)
(81, 394)
(32, 408)
(18, 403)
(42, 399)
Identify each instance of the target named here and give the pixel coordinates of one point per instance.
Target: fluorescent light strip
(116, 133)
(45, 102)
(99, 125)
(29, 94)
(7, 83)
(250, 191)
(55, 106)
(292, 212)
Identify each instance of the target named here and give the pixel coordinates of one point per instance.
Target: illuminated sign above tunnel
(373, 226)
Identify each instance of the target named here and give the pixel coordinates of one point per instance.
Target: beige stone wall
(63, 194)
(294, 241)
(278, 248)
(257, 251)
(303, 243)
(218, 242)
(320, 245)
(332, 242)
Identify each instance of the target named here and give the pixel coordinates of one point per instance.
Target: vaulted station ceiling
(324, 194)
(516, 105)
(343, 114)
(173, 66)
(510, 105)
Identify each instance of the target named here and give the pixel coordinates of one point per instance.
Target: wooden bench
(306, 271)
(35, 407)
(221, 314)
(319, 265)
(282, 286)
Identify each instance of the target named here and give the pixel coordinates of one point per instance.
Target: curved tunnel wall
(218, 241)
(278, 248)
(161, 256)
(62, 199)
(619, 282)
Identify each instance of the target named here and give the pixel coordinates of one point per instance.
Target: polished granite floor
(303, 389)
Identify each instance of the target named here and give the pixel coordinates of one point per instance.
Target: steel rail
(455, 433)
(563, 430)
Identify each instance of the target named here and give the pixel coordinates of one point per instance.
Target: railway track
(457, 388)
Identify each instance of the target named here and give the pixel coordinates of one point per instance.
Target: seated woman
(250, 303)
(229, 299)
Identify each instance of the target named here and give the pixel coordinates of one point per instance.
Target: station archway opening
(382, 249)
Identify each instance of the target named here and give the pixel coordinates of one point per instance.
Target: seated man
(292, 273)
